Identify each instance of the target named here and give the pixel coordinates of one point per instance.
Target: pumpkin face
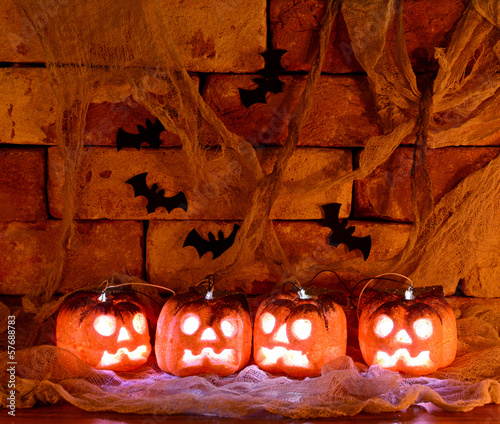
(199, 335)
(297, 336)
(106, 333)
(415, 336)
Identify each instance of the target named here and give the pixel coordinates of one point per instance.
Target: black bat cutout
(216, 246)
(341, 234)
(267, 82)
(156, 198)
(149, 134)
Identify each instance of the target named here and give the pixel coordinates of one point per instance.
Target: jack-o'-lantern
(107, 330)
(204, 333)
(297, 332)
(414, 334)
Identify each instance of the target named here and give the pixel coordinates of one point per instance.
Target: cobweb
(96, 44)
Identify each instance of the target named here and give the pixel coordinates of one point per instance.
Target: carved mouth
(291, 358)
(108, 359)
(386, 361)
(224, 357)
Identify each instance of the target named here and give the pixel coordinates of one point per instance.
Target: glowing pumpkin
(297, 333)
(107, 330)
(201, 333)
(414, 335)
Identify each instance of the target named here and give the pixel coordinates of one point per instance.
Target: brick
(103, 194)
(342, 113)
(27, 108)
(22, 184)
(295, 26)
(213, 36)
(28, 249)
(28, 113)
(304, 244)
(386, 192)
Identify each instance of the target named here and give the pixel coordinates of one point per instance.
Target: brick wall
(220, 48)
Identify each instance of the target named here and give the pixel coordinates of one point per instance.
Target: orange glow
(267, 322)
(403, 337)
(225, 357)
(105, 325)
(108, 359)
(228, 328)
(140, 323)
(123, 335)
(190, 324)
(384, 326)
(280, 335)
(291, 358)
(423, 328)
(302, 329)
(386, 361)
(209, 335)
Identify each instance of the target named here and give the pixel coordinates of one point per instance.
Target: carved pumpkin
(203, 333)
(414, 335)
(107, 330)
(297, 333)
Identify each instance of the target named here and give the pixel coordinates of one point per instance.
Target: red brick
(29, 111)
(295, 25)
(342, 113)
(214, 36)
(304, 244)
(22, 184)
(27, 108)
(103, 194)
(386, 192)
(101, 248)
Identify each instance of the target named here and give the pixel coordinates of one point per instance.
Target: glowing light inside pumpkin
(423, 328)
(267, 322)
(224, 357)
(384, 326)
(280, 335)
(291, 358)
(123, 335)
(403, 337)
(302, 329)
(208, 335)
(109, 359)
(105, 325)
(140, 323)
(386, 361)
(190, 324)
(228, 328)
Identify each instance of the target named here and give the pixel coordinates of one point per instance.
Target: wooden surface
(424, 413)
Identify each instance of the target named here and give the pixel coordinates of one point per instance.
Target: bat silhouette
(149, 134)
(156, 198)
(216, 246)
(268, 80)
(341, 234)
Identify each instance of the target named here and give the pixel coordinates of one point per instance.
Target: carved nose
(280, 336)
(123, 335)
(403, 337)
(209, 335)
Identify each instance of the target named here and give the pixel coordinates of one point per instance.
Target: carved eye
(423, 328)
(384, 326)
(105, 325)
(140, 323)
(190, 324)
(228, 328)
(267, 322)
(301, 329)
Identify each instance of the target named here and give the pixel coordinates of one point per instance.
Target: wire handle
(408, 294)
